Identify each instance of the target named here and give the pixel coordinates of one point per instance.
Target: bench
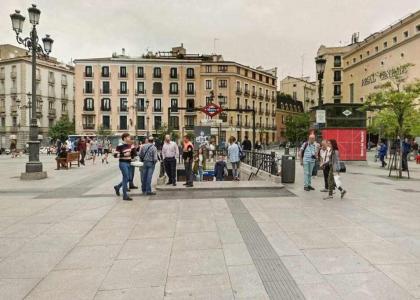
(72, 158)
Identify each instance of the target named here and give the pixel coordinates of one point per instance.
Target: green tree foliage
(102, 132)
(164, 130)
(297, 127)
(62, 129)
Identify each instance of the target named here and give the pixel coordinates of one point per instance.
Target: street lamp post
(33, 168)
(147, 119)
(320, 68)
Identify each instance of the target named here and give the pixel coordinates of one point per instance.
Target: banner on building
(351, 142)
(202, 136)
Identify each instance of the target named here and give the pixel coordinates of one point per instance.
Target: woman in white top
(325, 156)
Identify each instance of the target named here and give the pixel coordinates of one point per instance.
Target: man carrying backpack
(308, 156)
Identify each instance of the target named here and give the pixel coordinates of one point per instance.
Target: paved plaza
(69, 237)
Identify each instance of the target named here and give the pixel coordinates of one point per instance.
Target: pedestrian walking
(93, 149)
(382, 152)
(131, 185)
(188, 156)
(199, 164)
(324, 158)
(334, 179)
(170, 152)
(107, 150)
(406, 149)
(149, 156)
(308, 155)
(81, 147)
(234, 157)
(125, 152)
(246, 144)
(220, 169)
(100, 147)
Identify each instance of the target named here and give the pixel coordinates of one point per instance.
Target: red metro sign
(212, 110)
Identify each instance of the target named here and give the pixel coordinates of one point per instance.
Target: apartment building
(133, 94)
(55, 94)
(287, 107)
(302, 89)
(354, 71)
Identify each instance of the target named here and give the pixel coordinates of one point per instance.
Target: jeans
(200, 173)
(146, 176)
(131, 179)
(308, 167)
(188, 172)
(235, 169)
(125, 171)
(326, 171)
(382, 159)
(170, 168)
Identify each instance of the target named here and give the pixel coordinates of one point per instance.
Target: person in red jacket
(81, 147)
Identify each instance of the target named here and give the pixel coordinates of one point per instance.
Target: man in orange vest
(188, 157)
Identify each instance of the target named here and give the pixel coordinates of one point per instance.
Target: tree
(62, 129)
(297, 127)
(396, 103)
(103, 132)
(164, 130)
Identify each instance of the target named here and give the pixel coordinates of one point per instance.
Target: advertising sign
(351, 142)
(320, 116)
(212, 110)
(202, 136)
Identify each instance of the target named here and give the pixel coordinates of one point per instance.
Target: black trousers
(170, 168)
(326, 172)
(188, 172)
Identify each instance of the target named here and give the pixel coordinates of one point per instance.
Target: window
(123, 87)
(105, 71)
(254, 75)
(394, 40)
(157, 105)
(222, 68)
(106, 104)
(173, 88)
(223, 83)
(105, 87)
(238, 85)
(123, 72)
(88, 71)
(158, 122)
(238, 70)
(141, 105)
(190, 88)
(123, 104)
(209, 100)
(173, 73)
(123, 122)
(367, 53)
(140, 72)
(174, 105)
(208, 69)
(88, 87)
(157, 88)
(337, 75)
(351, 86)
(174, 122)
(209, 84)
(190, 105)
(63, 107)
(294, 96)
(106, 122)
(337, 61)
(140, 123)
(157, 73)
(406, 34)
(337, 90)
(140, 87)
(190, 73)
(189, 121)
(418, 28)
(385, 44)
(14, 121)
(88, 104)
(88, 122)
(246, 73)
(354, 59)
(376, 49)
(361, 56)
(260, 77)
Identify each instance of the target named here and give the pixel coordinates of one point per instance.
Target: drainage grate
(277, 280)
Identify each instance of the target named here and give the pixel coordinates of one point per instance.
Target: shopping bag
(337, 180)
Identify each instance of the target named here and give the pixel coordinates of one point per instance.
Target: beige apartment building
(353, 72)
(55, 95)
(133, 94)
(301, 89)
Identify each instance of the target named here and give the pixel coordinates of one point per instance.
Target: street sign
(212, 110)
(211, 121)
(347, 113)
(320, 116)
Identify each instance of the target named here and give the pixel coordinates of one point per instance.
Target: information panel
(351, 142)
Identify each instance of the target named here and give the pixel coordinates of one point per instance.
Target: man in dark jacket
(81, 147)
(246, 144)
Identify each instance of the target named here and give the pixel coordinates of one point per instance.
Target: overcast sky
(271, 33)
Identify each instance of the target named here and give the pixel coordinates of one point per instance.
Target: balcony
(105, 75)
(238, 124)
(267, 113)
(88, 74)
(261, 96)
(122, 127)
(64, 96)
(122, 75)
(105, 91)
(122, 92)
(39, 112)
(173, 92)
(157, 92)
(2, 109)
(2, 76)
(189, 127)
(141, 92)
(13, 90)
(141, 109)
(173, 76)
(89, 126)
(13, 108)
(190, 76)
(246, 93)
(157, 127)
(190, 92)
(140, 75)
(190, 110)
(13, 75)
(261, 112)
(64, 81)
(51, 79)
(273, 114)
(238, 91)
(238, 106)
(254, 95)
(267, 98)
(123, 109)
(274, 99)
(52, 113)
(88, 91)
(105, 108)
(157, 109)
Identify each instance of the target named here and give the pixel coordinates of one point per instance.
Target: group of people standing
(327, 156)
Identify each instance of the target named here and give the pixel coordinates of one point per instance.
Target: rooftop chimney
(123, 51)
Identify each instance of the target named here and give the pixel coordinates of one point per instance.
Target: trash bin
(288, 165)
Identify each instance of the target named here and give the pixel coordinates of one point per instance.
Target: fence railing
(262, 161)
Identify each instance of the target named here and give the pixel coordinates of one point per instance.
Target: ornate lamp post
(320, 68)
(147, 118)
(33, 168)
